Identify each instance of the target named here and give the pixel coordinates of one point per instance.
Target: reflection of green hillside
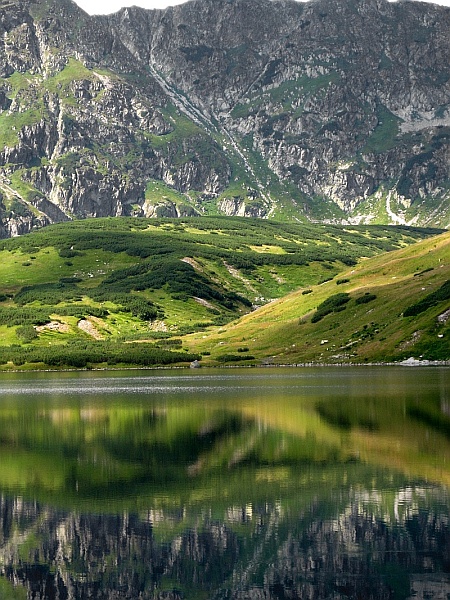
(86, 454)
(183, 454)
(10, 592)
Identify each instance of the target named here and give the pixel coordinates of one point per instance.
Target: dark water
(266, 484)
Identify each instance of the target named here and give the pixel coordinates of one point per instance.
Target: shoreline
(405, 363)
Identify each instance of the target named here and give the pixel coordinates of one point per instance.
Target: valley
(147, 292)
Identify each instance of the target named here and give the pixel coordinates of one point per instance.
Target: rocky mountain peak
(326, 110)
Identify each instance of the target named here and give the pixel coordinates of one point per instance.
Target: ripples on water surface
(265, 483)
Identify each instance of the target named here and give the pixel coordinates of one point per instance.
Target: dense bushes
(299, 242)
(24, 316)
(224, 358)
(84, 354)
(365, 299)
(41, 315)
(139, 307)
(81, 311)
(68, 253)
(52, 294)
(26, 333)
(175, 275)
(443, 293)
(48, 293)
(334, 303)
(337, 303)
(143, 309)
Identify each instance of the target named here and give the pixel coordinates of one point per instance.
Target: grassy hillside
(387, 308)
(126, 291)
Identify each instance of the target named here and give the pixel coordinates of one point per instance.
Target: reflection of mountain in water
(253, 552)
(284, 497)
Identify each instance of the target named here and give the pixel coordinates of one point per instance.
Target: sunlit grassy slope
(131, 291)
(370, 326)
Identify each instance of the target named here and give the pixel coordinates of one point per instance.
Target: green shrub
(335, 303)
(365, 299)
(68, 253)
(424, 271)
(441, 294)
(48, 293)
(82, 311)
(143, 309)
(234, 358)
(81, 354)
(24, 316)
(26, 333)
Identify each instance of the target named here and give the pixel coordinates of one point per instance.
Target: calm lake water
(327, 483)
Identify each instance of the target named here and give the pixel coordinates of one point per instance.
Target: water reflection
(337, 548)
(276, 485)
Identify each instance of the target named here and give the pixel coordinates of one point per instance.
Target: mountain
(334, 110)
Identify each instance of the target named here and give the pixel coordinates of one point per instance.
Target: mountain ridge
(335, 112)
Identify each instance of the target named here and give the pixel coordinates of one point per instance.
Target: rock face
(327, 110)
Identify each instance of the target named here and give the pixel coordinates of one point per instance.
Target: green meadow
(142, 292)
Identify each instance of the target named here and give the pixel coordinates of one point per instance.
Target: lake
(314, 483)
